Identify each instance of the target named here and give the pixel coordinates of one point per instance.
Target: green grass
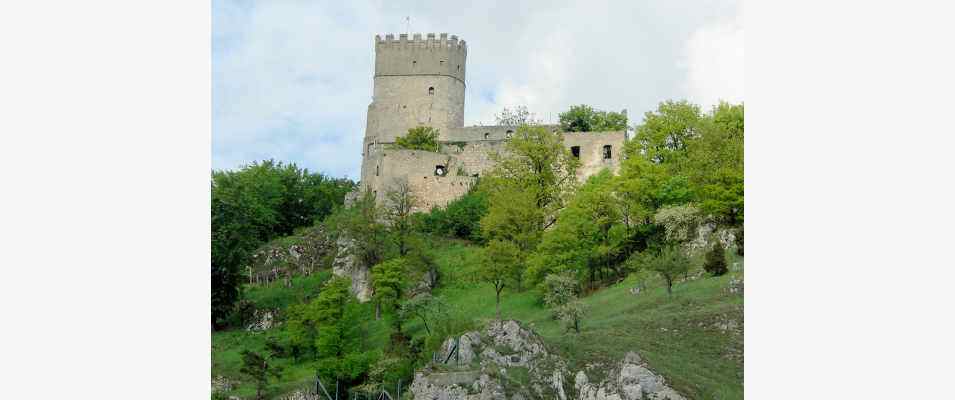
(678, 336)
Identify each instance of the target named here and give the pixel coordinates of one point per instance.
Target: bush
(420, 138)
(715, 262)
(460, 219)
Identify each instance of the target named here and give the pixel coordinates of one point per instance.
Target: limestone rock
(509, 362)
(345, 265)
(262, 321)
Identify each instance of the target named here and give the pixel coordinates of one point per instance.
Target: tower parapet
(420, 55)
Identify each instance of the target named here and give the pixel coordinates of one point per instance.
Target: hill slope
(692, 338)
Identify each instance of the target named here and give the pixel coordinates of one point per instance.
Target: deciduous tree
(419, 138)
(500, 266)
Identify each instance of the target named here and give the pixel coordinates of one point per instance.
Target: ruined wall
(591, 145)
(418, 168)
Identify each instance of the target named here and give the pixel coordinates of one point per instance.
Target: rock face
(345, 265)
(510, 362)
(262, 321)
(706, 232)
(630, 380)
(300, 254)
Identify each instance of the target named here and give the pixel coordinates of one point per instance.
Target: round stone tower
(418, 82)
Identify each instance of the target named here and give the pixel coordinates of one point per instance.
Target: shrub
(670, 263)
(559, 289)
(460, 219)
(715, 262)
(420, 138)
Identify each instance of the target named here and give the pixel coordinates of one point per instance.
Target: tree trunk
(669, 286)
(425, 322)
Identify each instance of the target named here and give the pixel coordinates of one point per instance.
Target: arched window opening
(575, 151)
(607, 152)
(431, 91)
(440, 170)
(508, 134)
(487, 135)
(414, 63)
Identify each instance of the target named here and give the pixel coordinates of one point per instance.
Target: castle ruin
(420, 81)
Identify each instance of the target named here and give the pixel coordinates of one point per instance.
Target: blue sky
(291, 80)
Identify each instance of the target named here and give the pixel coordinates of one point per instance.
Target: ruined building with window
(419, 81)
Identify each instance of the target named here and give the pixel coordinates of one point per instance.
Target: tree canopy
(255, 204)
(583, 118)
(419, 138)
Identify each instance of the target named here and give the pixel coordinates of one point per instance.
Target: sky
(292, 80)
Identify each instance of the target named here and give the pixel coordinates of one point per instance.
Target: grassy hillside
(679, 336)
(693, 338)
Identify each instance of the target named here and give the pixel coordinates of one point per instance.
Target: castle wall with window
(420, 81)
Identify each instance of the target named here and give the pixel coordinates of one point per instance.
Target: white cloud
(714, 58)
(292, 80)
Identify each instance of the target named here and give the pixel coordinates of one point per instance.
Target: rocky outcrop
(262, 320)
(629, 380)
(509, 362)
(706, 233)
(346, 265)
(283, 258)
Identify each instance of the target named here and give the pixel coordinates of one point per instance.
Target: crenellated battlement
(421, 55)
(431, 41)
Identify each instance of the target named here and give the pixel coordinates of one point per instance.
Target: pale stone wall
(419, 81)
(591, 150)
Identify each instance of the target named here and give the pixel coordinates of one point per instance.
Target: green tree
(398, 210)
(715, 164)
(588, 236)
(500, 266)
(529, 184)
(663, 135)
(426, 307)
(583, 118)
(253, 205)
(338, 318)
(390, 280)
(670, 264)
(559, 289)
(715, 262)
(360, 226)
(419, 138)
(257, 368)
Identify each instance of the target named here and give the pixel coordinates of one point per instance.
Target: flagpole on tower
(408, 20)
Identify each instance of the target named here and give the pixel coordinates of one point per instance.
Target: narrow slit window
(377, 170)
(607, 152)
(575, 151)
